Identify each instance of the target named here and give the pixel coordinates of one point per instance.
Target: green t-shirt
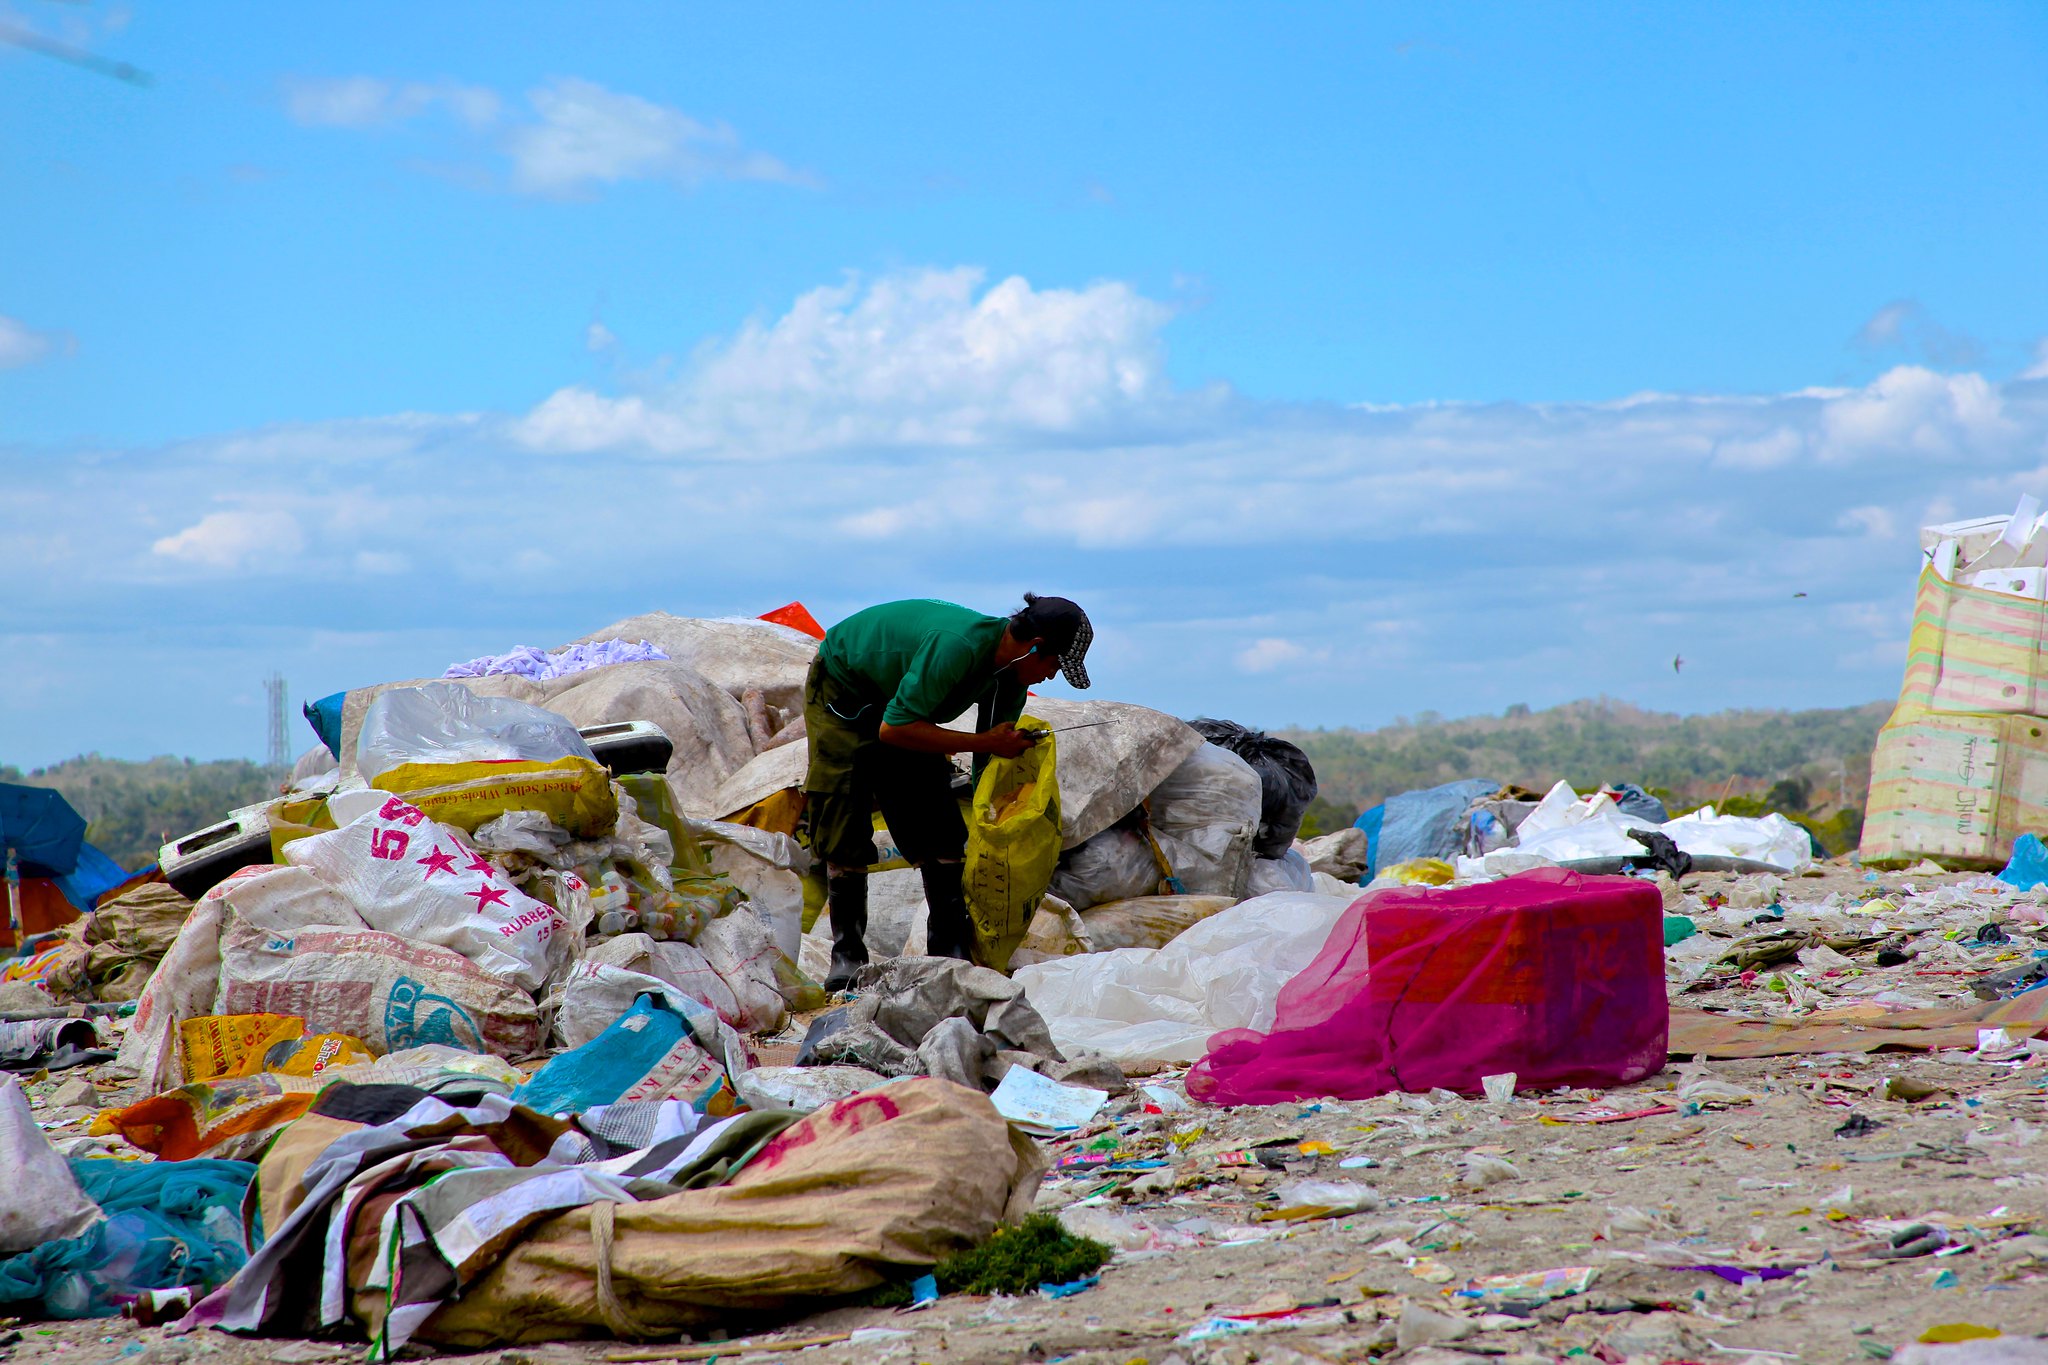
(922, 660)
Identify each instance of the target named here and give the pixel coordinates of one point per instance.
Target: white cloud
(22, 345)
(235, 539)
(1267, 655)
(577, 421)
(584, 135)
(1911, 410)
(923, 357)
(2039, 369)
(573, 137)
(1876, 522)
(1905, 325)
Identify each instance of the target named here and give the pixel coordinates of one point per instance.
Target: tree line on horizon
(1812, 766)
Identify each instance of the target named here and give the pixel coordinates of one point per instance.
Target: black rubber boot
(846, 900)
(947, 932)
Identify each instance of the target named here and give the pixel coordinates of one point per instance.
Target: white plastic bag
(760, 975)
(448, 723)
(1115, 865)
(1141, 1006)
(1111, 754)
(406, 875)
(681, 966)
(804, 1088)
(528, 831)
(40, 1200)
(1206, 814)
(1768, 839)
(1342, 855)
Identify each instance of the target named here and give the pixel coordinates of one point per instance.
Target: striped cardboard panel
(1955, 788)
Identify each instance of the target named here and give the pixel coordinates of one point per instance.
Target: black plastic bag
(1664, 856)
(1287, 780)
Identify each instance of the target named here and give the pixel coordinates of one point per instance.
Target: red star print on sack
(487, 895)
(437, 861)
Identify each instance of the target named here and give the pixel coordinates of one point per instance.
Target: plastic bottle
(618, 922)
(659, 925)
(610, 894)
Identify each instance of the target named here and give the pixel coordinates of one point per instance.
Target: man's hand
(1004, 741)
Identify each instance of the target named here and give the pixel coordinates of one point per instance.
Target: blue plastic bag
(2029, 866)
(649, 1043)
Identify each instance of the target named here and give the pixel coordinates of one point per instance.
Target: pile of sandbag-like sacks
(464, 902)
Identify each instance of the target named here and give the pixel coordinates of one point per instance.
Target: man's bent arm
(923, 737)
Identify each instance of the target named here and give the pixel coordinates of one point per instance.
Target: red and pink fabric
(1552, 975)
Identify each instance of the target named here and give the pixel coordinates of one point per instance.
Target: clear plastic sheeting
(1288, 872)
(1140, 1006)
(447, 723)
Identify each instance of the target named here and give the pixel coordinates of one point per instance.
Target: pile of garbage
(550, 911)
(502, 1024)
(1483, 829)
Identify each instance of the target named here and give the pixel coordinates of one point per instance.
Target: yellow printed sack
(575, 793)
(233, 1046)
(1013, 844)
(220, 1045)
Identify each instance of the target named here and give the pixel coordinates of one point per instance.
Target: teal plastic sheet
(168, 1224)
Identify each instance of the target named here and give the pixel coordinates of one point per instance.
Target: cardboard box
(1956, 788)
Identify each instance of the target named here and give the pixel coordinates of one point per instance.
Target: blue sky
(1346, 362)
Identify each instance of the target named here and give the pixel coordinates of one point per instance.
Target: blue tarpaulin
(95, 875)
(42, 829)
(1421, 824)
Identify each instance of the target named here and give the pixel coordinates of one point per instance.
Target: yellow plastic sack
(225, 1046)
(1420, 872)
(575, 793)
(300, 819)
(1013, 844)
(222, 1044)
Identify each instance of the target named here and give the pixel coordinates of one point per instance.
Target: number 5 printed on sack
(389, 843)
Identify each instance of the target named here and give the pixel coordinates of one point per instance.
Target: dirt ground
(1845, 1223)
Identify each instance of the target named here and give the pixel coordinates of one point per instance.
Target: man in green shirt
(884, 683)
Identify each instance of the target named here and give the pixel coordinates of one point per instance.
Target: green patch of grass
(1016, 1260)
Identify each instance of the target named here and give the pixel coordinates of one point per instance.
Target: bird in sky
(1677, 662)
(1799, 594)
